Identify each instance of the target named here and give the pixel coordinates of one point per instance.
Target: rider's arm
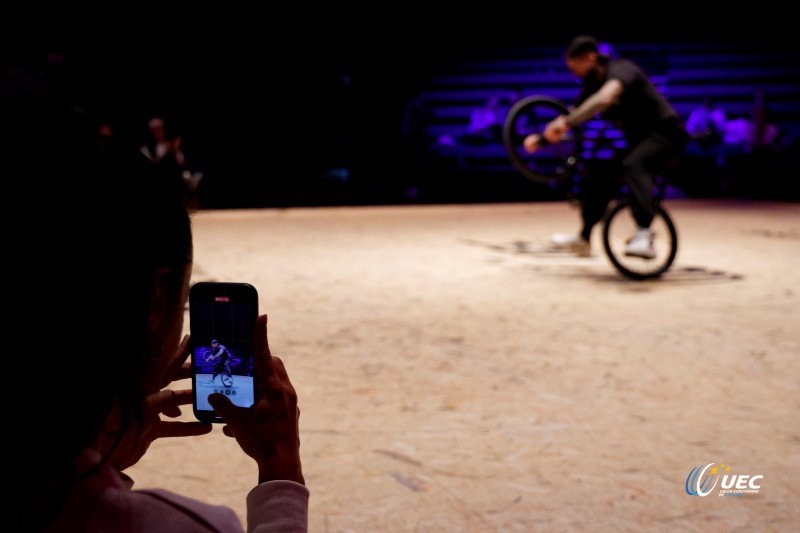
(598, 102)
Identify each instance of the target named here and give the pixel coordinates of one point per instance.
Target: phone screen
(221, 320)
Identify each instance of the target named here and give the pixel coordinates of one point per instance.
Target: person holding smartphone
(77, 428)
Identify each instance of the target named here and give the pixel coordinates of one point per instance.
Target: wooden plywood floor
(456, 375)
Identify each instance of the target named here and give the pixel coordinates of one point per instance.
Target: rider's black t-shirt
(223, 354)
(642, 109)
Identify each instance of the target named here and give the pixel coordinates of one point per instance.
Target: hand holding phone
(222, 317)
(269, 432)
(167, 401)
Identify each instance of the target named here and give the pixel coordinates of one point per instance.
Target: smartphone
(221, 320)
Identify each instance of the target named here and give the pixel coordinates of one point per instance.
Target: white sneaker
(571, 242)
(641, 244)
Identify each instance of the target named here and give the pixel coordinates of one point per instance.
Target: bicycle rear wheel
(551, 163)
(619, 225)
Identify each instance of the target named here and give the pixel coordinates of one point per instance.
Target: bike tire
(619, 225)
(227, 380)
(552, 163)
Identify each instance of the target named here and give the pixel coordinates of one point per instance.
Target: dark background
(268, 101)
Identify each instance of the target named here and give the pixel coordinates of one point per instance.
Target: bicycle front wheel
(551, 163)
(618, 227)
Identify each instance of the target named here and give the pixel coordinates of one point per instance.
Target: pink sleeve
(278, 506)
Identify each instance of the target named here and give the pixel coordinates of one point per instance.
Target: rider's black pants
(640, 166)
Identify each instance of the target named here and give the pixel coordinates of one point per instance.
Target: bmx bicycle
(564, 164)
(226, 375)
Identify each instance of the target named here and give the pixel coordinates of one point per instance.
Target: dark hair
(99, 222)
(580, 45)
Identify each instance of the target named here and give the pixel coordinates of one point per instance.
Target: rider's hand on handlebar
(556, 129)
(531, 142)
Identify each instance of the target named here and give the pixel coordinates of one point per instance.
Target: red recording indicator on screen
(222, 298)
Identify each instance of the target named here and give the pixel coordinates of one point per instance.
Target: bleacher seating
(728, 73)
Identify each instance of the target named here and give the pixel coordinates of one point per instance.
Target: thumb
(222, 405)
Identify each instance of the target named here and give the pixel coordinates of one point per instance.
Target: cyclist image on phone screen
(222, 356)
